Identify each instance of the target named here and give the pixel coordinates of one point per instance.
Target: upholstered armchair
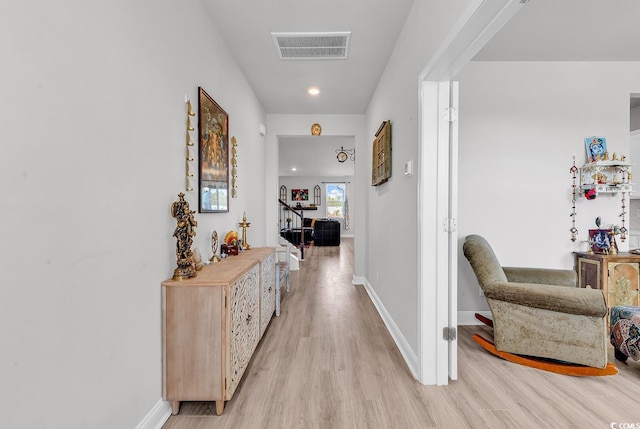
(540, 312)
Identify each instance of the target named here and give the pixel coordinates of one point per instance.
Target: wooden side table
(617, 275)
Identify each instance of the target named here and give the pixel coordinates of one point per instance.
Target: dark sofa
(323, 232)
(326, 232)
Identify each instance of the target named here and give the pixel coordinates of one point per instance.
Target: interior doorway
(307, 165)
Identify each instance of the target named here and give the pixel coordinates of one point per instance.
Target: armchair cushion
(543, 276)
(584, 302)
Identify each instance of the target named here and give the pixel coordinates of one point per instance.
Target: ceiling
(569, 30)
(281, 86)
(566, 30)
(543, 30)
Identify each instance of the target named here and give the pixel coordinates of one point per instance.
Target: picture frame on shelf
(602, 240)
(213, 150)
(596, 148)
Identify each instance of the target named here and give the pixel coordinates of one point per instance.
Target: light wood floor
(329, 362)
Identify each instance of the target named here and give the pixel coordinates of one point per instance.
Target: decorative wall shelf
(606, 177)
(611, 177)
(303, 208)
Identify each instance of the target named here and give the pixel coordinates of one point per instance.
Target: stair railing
(292, 220)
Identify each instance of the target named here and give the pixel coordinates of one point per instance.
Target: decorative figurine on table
(214, 247)
(230, 246)
(184, 233)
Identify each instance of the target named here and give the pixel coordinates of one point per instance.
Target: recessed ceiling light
(314, 90)
(293, 169)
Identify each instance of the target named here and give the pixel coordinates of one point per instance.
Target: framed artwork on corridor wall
(381, 155)
(213, 148)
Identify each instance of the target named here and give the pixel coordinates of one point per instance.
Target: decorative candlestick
(244, 225)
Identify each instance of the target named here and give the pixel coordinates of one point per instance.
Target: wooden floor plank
(329, 362)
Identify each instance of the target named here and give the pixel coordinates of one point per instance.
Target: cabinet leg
(175, 407)
(219, 408)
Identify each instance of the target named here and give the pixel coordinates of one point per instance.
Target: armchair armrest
(543, 276)
(585, 302)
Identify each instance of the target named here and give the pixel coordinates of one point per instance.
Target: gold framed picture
(213, 147)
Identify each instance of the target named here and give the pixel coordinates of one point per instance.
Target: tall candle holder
(244, 225)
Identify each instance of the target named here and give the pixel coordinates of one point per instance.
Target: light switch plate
(408, 168)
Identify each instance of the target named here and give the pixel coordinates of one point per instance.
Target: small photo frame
(299, 195)
(602, 241)
(596, 148)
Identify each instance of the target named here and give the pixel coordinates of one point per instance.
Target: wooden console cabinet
(211, 325)
(617, 275)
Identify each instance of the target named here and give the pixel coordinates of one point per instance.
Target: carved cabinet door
(245, 325)
(268, 291)
(624, 278)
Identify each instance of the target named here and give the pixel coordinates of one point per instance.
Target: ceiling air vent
(315, 46)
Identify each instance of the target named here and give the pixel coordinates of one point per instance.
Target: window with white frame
(336, 196)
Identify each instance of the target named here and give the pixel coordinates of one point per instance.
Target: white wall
(92, 120)
(309, 182)
(392, 210)
(635, 119)
(519, 124)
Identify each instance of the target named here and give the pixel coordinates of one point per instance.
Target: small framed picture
(299, 195)
(596, 148)
(602, 241)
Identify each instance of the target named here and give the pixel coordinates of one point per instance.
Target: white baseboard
(410, 357)
(406, 351)
(158, 416)
(469, 318)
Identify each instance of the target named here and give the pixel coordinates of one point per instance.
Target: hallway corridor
(328, 362)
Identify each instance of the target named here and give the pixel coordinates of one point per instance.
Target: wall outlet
(377, 276)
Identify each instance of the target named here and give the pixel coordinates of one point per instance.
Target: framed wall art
(381, 155)
(213, 147)
(602, 240)
(596, 148)
(299, 195)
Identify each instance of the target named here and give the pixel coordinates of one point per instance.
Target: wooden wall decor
(381, 156)
(189, 158)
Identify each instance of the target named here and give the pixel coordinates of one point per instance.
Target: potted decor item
(231, 241)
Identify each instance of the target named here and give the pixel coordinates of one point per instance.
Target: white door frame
(437, 272)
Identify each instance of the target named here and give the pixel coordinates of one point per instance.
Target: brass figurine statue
(184, 233)
(214, 247)
(244, 225)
